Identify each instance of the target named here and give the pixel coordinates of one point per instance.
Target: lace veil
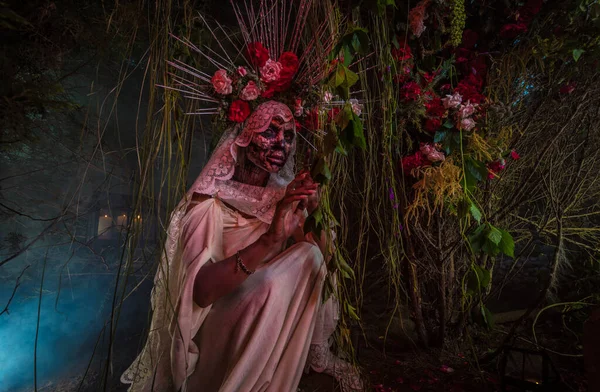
(215, 180)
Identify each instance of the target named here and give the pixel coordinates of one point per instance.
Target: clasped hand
(290, 210)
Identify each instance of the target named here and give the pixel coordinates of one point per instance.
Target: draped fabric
(254, 339)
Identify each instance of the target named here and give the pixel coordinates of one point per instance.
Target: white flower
(327, 97)
(356, 107)
(452, 101)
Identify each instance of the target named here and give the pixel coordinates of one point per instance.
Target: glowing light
(106, 216)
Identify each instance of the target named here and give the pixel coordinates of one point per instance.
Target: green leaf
(577, 54)
(314, 222)
(484, 276)
(477, 238)
(321, 172)
(494, 235)
(440, 136)
(507, 245)
(359, 135)
(448, 124)
(488, 317)
(475, 212)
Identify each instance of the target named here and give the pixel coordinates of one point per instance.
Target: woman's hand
(290, 210)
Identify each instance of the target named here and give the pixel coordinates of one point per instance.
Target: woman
(234, 309)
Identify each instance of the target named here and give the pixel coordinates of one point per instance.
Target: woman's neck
(249, 173)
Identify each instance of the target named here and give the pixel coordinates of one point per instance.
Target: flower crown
(241, 89)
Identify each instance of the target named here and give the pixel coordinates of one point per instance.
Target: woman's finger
(291, 199)
(302, 191)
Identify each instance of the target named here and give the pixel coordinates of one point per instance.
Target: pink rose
(466, 110)
(270, 71)
(452, 101)
(467, 124)
(221, 82)
(250, 92)
(327, 97)
(242, 71)
(356, 107)
(432, 153)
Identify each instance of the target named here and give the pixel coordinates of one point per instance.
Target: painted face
(271, 148)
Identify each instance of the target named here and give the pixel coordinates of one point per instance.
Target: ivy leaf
(494, 235)
(507, 245)
(314, 222)
(321, 172)
(475, 212)
(577, 54)
(476, 239)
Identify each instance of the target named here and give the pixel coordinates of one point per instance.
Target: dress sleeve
(200, 242)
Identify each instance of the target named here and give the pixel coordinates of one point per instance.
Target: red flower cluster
(312, 120)
(525, 16)
(495, 167)
(238, 111)
(469, 91)
(411, 162)
(402, 53)
(289, 63)
(257, 54)
(410, 91)
(435, 111)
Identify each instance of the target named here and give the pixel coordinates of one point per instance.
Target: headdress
(275, 63)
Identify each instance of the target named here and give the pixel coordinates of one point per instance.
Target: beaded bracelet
(240, 265)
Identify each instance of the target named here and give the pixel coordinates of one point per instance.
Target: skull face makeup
(270, 149)
(269, 136)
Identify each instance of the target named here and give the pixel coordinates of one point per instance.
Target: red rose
(257, 54)
(411, 162)
(474, 80)
(433, 124)
(512, 30)
(435, 108)
(469, 92)
(238, 111)
(410, 91)
(403, 53)
(470, 38)
(429, 76)
(289, 61)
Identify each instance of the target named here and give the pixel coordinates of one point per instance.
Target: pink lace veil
(216, 178)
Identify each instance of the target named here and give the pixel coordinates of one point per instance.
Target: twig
(17, 284)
